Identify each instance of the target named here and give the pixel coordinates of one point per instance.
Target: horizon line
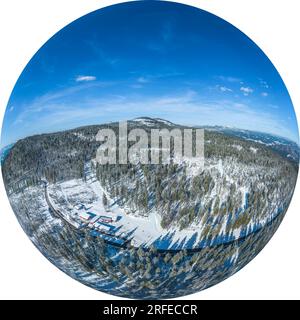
(154, 118)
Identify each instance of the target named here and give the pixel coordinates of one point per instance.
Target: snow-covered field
(75, 197)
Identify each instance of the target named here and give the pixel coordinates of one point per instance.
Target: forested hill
(283, 146)
(240, 175)
(61, 155)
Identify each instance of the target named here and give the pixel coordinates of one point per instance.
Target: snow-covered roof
(105, 217)
(101, 226)
(85, 215)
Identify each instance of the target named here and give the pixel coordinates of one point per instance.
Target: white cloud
(52, 99)
(274, 106)
(246, 90)
(264, 94)
(225, 89)
(229, 79)
(142, 80)
(264, 84)
(85, 78)
(186, 108)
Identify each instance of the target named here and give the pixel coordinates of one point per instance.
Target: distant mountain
(4, 152)
(282, 146)
(285, 147)
(153, 122)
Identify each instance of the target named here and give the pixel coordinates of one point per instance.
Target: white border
(26, 25)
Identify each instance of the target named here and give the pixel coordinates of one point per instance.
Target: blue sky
(149, 58)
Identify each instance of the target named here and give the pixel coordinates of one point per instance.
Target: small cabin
(103, 227)
(86, 216)
(106, 219)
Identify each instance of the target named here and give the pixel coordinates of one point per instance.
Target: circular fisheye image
(149, 150)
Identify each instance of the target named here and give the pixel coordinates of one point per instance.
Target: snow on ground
(237, 146)
(75, 197)
(90, 193)
(145, 122)
(81, 136)
(152, 122)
